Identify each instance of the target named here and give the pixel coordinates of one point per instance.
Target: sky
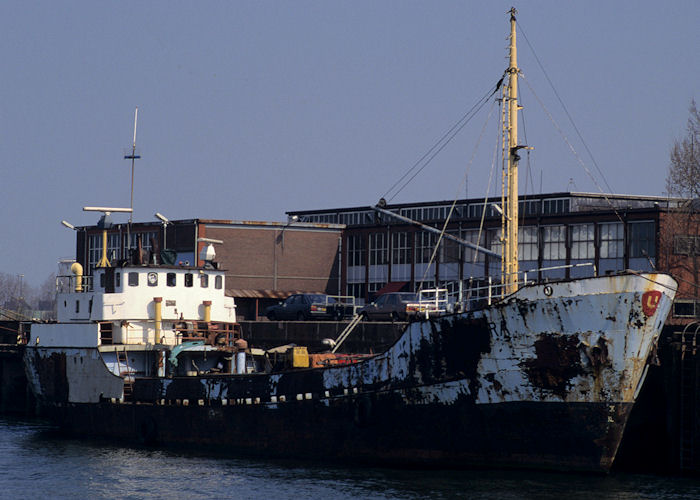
(250, 109)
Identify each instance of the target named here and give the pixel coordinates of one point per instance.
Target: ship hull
(543, 379)
(555, 436)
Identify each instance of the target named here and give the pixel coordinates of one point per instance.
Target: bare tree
(680, 232)
(683, 178)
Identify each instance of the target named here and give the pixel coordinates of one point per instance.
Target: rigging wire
(441, 143)
(565, 109)
(571, 147)
(459, 189)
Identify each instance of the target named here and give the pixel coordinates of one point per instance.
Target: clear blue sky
(248, 109)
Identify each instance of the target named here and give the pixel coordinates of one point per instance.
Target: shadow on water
(36, 461)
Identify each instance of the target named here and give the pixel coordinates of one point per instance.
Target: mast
(511, 213)
(133, 157)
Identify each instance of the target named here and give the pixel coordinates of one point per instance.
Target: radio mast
(133, 157)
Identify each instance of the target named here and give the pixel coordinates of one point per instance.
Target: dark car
(303, 306)
(389, 306)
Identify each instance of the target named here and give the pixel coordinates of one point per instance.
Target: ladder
(123, 359)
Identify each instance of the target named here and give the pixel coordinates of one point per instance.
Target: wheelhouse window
(133, 279)
(219, 282)
(171, 279)
(189, 280)
(204, 281)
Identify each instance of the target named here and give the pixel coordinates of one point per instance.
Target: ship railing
(476, 292)
(342, 305)
(74, 284)
(214, 333)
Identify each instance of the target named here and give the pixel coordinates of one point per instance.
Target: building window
(171, 279)
(219, 282)
(374, 287)
(685, 309)
(425, 246)
(378, 249)
(582, 241)
(612, 240)
(528, 207)
(450, 249)
(642, 239)
(555, 206)
(527, 243)
(684, 245)
(204, 281)
(378, 258)
(477, 238)
(189, 280)
(356, 250)
(554, 243)
(356, 290)
(401, 248)
(133, 279)
(401, 256)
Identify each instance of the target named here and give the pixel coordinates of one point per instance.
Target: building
(593, 232)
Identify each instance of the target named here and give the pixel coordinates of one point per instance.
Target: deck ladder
(123, 359)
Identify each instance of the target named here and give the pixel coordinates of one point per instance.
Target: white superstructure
(120, 306)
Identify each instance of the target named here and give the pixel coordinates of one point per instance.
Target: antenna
(133, 157)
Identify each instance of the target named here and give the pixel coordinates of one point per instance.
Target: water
(37, 463)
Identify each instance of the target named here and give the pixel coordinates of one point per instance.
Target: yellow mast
(511, 237)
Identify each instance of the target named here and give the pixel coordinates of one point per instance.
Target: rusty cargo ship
(539, 375)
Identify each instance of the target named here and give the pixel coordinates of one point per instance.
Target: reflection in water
(35, 462)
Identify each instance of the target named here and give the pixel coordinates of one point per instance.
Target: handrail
(67, 283)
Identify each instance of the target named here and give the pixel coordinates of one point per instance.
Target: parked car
(303, 306)
(389, 306)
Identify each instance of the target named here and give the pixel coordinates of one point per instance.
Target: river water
(35, 462)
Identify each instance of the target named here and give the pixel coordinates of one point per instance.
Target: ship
(534, 375)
